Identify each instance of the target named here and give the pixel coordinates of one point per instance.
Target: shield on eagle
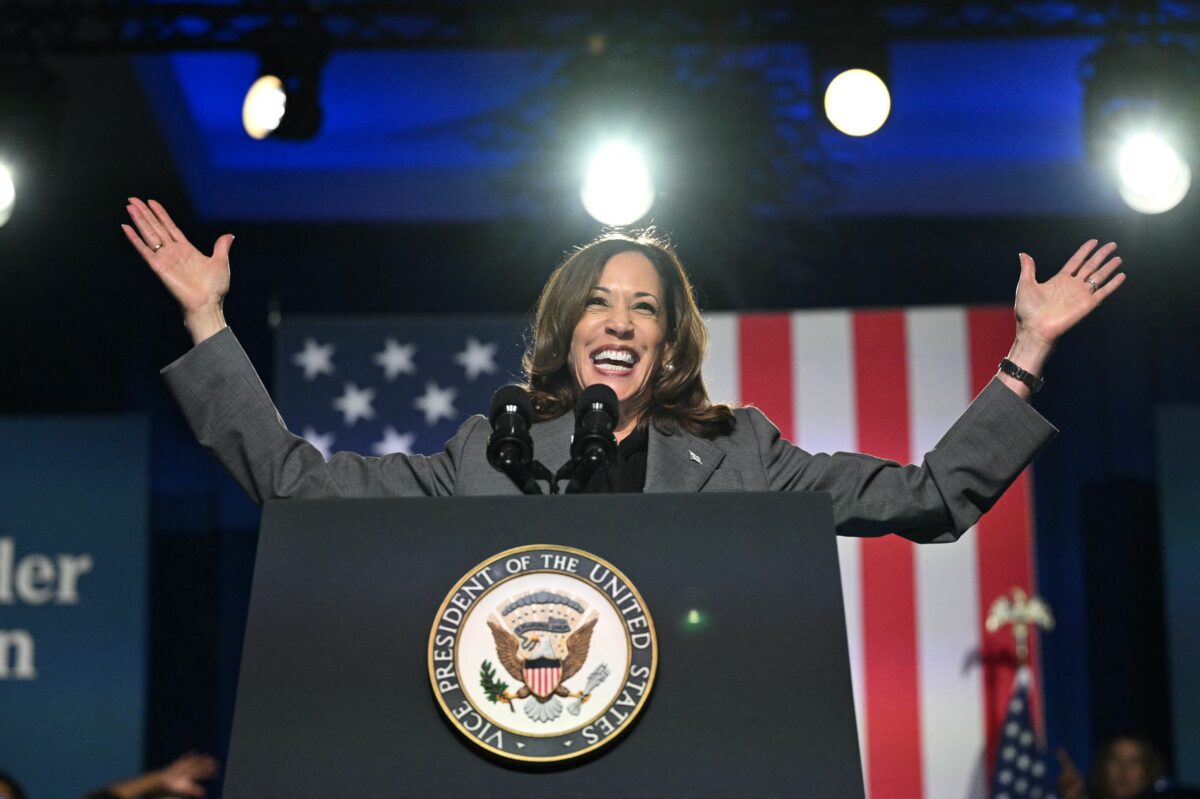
(543, 676)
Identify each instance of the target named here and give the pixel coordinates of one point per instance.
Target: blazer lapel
(681, 462)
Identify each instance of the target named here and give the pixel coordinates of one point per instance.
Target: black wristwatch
(1034, 382)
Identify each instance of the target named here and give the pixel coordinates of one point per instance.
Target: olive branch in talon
(495, 690)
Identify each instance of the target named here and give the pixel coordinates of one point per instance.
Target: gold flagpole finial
(1021, 611)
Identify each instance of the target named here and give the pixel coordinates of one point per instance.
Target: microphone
(510, 447)
(594, 446)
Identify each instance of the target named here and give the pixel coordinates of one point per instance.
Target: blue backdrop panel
(73, 584)
(1178, 442)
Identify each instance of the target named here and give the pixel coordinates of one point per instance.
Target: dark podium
(752, 695)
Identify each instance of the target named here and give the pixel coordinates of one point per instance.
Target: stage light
(1153, 176)
(264, 107)
(285, 101)
(8, 194)
(32, 100)
(857, 102)
(1141, 119)
(617, 189)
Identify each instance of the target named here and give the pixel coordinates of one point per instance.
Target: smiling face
(621, 335)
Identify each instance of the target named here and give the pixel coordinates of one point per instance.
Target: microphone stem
(590, 462)
(519, 474)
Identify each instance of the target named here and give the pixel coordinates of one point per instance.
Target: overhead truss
(144, 26)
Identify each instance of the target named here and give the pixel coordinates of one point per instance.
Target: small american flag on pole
(1020, 771)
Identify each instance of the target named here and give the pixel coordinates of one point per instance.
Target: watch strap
(1031, 380)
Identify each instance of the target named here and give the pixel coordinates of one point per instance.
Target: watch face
(542, 653)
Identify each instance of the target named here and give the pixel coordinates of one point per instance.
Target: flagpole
(1020, 771)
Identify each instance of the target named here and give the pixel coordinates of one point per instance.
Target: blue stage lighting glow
(972, 126)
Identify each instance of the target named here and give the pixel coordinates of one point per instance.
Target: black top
(628, 474)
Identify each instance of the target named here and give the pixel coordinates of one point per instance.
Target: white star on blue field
(380, 385)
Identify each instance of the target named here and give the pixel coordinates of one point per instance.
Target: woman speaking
(621, 312)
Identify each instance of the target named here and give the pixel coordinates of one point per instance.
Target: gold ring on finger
(158, 247)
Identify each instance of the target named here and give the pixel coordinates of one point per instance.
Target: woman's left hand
(1047, 310)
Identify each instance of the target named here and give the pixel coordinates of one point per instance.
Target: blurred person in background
(1125, 767)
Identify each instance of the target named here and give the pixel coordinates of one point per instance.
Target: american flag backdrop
(391, 384)
(931, 686)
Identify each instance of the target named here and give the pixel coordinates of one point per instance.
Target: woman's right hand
(197, 281)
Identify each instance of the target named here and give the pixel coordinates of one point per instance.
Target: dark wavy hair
(678, 399)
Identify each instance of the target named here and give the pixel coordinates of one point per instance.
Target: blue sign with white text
(73, 593)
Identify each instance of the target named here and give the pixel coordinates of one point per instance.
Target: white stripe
(721, 364)
(825, 411)
(823, 380)
(950, 684)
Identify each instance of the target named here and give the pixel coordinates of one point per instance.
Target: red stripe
(1004, 541)
(543, 680)
(888, 571)
(765, 367)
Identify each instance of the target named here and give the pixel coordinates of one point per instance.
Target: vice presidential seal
(542, 653)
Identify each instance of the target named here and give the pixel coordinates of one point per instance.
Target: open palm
(1050, 309)
(194, 279)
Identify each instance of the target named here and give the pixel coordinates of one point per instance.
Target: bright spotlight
(1154, 178)
(857, 102)
(617, 189)
(1141, 115)
(8, 194)
(264, 107)
(285, 101)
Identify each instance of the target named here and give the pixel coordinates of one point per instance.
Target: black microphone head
(511, 396)
(599, 393)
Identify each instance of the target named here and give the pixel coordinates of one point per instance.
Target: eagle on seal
(532, 660)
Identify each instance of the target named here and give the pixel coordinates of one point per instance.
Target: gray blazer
(233, 417)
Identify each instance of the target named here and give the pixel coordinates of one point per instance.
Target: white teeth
(614, 355)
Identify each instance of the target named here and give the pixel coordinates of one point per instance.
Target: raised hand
(182, 777)
(1047, 310)
(199, 282)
